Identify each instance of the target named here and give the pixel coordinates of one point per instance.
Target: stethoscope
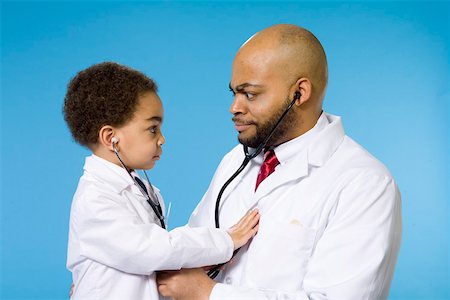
(248, 157)
(153, 199)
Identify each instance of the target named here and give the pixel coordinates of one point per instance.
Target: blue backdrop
(389, 80)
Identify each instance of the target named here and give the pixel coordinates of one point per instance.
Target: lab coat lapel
(316, 154)
(285, 173)
(120, 182)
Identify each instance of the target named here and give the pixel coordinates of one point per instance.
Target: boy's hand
(245, 229)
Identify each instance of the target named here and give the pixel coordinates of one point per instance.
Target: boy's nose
(161, 140)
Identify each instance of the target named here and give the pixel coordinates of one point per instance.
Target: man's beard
(263, 130)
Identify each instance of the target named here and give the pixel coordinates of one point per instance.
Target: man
(330, 222)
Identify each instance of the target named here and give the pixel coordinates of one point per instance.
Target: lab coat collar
(327, 142)
(115, 176)
(299, 155)
(289, 150)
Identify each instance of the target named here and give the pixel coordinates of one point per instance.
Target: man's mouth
(241, 125)
(241, 128)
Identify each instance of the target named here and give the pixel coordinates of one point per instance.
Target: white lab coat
(115, 244)
(330, 223)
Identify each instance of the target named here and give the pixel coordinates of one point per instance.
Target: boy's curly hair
(103, 94)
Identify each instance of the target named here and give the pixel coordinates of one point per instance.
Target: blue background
(389, 80)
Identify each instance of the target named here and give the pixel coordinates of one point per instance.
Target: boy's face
(140, 139)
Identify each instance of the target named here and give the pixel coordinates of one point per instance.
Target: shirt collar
(105, 171)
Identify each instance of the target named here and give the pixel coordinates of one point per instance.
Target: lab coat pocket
(278, 255)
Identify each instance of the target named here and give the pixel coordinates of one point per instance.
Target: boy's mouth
(157, 156)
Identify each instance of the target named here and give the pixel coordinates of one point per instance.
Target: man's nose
(238, 105)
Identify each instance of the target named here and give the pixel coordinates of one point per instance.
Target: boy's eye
(152, 129)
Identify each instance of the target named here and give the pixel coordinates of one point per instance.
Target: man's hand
(186, 284)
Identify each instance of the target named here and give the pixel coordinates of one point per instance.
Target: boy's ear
(105, 135)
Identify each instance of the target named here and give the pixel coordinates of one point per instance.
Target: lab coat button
(228, 280)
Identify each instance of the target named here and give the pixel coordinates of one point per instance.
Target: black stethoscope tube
(219, 196)
(248, 157)
(156, 207)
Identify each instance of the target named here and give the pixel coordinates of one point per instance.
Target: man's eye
(152, 129)
(249, 95)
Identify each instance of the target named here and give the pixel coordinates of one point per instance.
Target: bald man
(330, 223)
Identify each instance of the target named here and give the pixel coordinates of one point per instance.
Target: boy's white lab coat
(330, 222)
(115, 244)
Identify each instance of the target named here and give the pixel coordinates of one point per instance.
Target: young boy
(115, 239)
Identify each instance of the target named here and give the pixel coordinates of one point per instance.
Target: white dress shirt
(115, 243)
(330, 223)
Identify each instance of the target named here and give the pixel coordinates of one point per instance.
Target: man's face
(260, 98)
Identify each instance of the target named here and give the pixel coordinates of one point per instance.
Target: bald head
(279, 67)
(290, 52)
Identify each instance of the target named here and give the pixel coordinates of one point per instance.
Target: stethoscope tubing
(156, 207)
(248, 157)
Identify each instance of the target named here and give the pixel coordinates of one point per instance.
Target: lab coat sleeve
(356, 255)
(115, 237)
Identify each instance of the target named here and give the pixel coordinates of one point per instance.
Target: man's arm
(188, 284)
(185, 284)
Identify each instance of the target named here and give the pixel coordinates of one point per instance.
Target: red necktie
(268, 166)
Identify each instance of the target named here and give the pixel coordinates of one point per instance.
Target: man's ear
(105, 136)
(304, 87)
